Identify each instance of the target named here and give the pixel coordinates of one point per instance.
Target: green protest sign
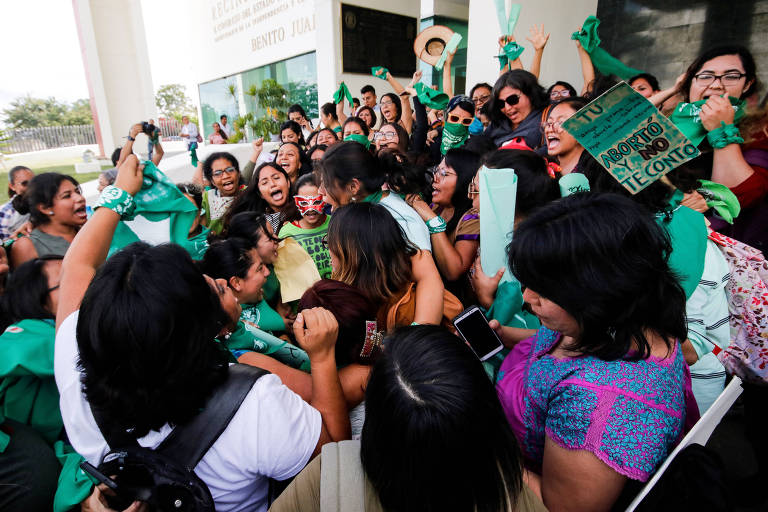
(630, 137)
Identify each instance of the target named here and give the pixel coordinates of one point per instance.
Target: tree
(29, 112)
(172, 101)
(79, 113)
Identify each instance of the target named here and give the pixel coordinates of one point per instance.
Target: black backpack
(164, 477)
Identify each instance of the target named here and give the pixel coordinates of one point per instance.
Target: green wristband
(117, 200)
(436, 225)
(724, 135)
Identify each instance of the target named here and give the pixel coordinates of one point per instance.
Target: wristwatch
(130, 138)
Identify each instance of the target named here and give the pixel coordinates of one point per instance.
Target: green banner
(630, 137)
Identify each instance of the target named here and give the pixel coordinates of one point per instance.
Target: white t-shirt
(191, 130)
(414, 226)
(226, 128)
(273, 434)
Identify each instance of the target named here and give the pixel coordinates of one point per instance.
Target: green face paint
(454, 136)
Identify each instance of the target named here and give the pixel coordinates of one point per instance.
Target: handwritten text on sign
(630, 137)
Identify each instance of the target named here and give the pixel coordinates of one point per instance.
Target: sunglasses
(512, 100)
(453, 118)
(480, 100)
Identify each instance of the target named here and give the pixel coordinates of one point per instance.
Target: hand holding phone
(473, 327)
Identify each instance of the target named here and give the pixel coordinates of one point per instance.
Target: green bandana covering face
(603, 61)
(341, 93)
(431, 98)
(720, 197)
(375, 70)
(686, 117)
(361, 139)
(509, 53)
(454, 136)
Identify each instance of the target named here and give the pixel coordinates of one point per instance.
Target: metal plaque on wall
(376, 38)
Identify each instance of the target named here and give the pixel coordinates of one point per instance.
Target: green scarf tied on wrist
(603, 61)
(454, 136)
(361, 139)
(686, 117)
(376, 69)
(341, 93)
(431, 98)
(509, 53)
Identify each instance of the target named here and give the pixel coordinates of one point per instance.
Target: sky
(42, 55)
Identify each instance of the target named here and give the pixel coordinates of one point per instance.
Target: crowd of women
(338, 262)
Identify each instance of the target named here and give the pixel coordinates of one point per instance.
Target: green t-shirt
(28, 392)
(312, 242)
(262, 316)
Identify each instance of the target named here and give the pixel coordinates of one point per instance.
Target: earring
(353, 199)
(50, 212)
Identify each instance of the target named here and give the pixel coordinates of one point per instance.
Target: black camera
(148, 128)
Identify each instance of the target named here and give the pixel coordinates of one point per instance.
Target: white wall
(560, 19)
(116, 59)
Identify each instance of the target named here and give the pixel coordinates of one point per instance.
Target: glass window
(217, 99)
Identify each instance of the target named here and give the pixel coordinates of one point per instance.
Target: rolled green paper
(453, 43)
(573, 183)
(603, 61)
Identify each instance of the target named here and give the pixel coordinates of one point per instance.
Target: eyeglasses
(386, 103)
(481, 99)
(228, 170)
(474, 188)
(440, 174)
(726, 79)
(512, 100)
(466, 121)
(555, 125)
(384, 135)
(565, 93)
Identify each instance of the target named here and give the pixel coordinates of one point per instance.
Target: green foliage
(239, 124)
(272, 101)
(172, 101)
(232, 90)
(4, 140)
(29, 112)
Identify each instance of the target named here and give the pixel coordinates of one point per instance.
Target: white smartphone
(472, 325)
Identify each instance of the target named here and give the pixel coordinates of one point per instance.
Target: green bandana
(362, 139)
(720, 197)
(383, 74)
(249, 337)
(162, 213)
(509, 53)
(454, 136)
(605, 63)
(374, 198)
(686, 118)
(341, 93)
(431, 98)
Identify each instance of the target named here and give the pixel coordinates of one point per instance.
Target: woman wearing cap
(516, 107)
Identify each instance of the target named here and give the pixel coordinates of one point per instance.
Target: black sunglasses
(512, 100)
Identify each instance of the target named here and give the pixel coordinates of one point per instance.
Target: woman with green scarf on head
(734, 146)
